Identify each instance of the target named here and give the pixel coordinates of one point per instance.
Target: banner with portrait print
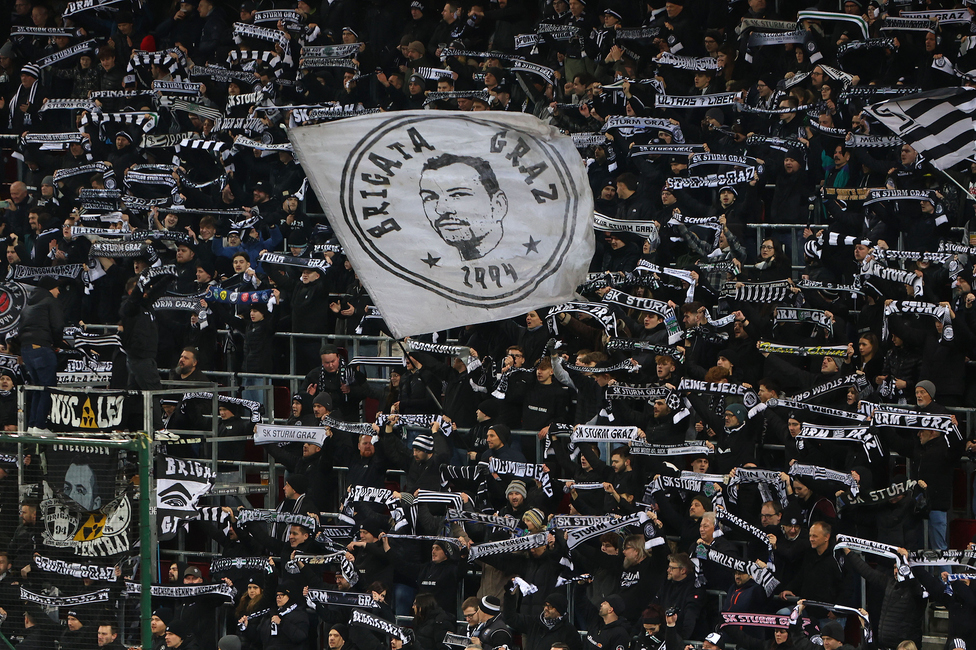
(87, 507)
(453, 218)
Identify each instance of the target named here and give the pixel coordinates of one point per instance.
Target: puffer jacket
(42, 320)
(902, 608)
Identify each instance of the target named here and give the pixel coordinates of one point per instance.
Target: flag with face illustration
(450, 218)
(179, 485)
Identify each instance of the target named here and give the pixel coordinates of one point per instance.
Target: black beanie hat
(502, 431)
(298, 483)
(490, 407)
(558, 602)
(342, 629)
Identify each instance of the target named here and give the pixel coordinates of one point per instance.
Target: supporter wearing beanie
(612, 631)
(542, 631)
(498, 438)
(494, 631)
(476, 439)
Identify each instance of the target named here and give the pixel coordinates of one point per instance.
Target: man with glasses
(470, 610)
(681, 593)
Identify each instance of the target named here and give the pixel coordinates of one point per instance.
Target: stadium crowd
(714, 433)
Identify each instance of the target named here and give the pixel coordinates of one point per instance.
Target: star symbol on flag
(431, 261)
(532, 246)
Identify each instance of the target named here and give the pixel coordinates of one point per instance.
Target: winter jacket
(902, 608)
(42, 320)
(537, 633)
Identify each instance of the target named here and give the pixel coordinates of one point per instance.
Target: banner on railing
(72, 411)
(90, 513)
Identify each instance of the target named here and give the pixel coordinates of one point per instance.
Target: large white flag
(453, 218)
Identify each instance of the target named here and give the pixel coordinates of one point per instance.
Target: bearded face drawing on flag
(475, 217)
(463, 203)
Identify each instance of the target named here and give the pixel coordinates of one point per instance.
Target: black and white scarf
(429, 538)
(569, 522)
(891, 23)
(362, 493)
(522, 470)
(290, 260)
(768, 292)
(859, 382)
(617, 344)
(256, 408)
(75, 569)
(841, 609)
(276, 517)
(340, 598)
(577, 536)
(887, 416)
(641, 448)
(871, 43)
(597, 433)
(546, 73)
(606, 224)
(436, 348)
(724, 515)
(942, 558)
(823, 474)
(873, 267)
(731, 177)
(627, 391)
(23, 272)
(749, 397)
(601, 313)
(639, 123)
(693, 482)
(245, 30)
(940, 312)
(82, 170)
(874, 548)
(314, 62)
(882, 495)
(117, 249)
(659, 307)
(645, 267)
(686, 62)
(769, 481)
(345, 566)
(362, 619)
(763, 577)
(513, 545)
(795, 315)
(815, 408)
(863, 435)
(873, 141)
(100, 596)
(184, 591)
(509, 523)
(665, 149)
(223, 564)
(420, 420)
(342, 49)
(695, 101)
